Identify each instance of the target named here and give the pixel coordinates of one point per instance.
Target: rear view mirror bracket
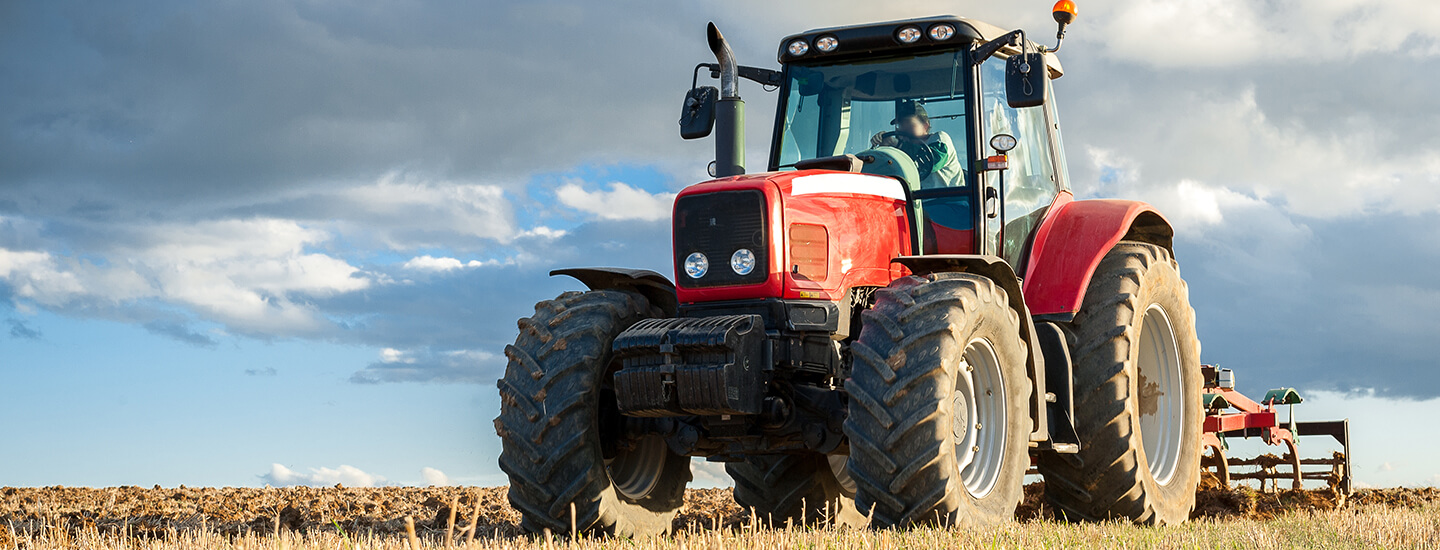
(764, 77)
(985, 51)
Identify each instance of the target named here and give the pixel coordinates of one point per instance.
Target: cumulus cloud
(709, 475)
(349, 476)
(621, 202)
(431, 263)
(1211, 33)
(433, 477)
(253, 276)
(1230, 142)
(406, 211)
(427, 365)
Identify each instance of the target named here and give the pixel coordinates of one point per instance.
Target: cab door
(1036, 173)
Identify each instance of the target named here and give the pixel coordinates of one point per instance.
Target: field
(302, 517)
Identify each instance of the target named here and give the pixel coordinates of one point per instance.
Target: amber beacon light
(1064, 12)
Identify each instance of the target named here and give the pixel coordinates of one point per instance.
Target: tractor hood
(806, 234)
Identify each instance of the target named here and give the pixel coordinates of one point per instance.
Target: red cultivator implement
(1230, 414)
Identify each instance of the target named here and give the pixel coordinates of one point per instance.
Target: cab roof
(859, 41)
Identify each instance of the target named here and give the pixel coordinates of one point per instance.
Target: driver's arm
(948, 170)
(884, 139)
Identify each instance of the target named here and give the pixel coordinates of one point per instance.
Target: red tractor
(891, 323)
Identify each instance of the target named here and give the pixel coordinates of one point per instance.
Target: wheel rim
(839, 465)
(1160, 385)
(979, 417)
(636, 472)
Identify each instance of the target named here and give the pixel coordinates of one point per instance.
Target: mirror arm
(765, 77)
(988, 49)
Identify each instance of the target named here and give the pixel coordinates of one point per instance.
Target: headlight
(942, 32)
(909, 35)
(798, 48)
(742, 261)
(696, 265)
(827, 44)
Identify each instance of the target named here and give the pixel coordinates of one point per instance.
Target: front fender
(653, 286)
(997, 270)
(1072, 241)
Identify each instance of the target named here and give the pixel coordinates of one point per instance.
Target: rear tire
(932, 441)
(557, 408)
(800, 487)
(1137, 396)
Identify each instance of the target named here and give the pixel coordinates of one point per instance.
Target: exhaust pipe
(729, 111)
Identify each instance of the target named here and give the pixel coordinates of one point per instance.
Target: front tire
(1137, 395)
(557, 407)
(939, 404)
(800, 487)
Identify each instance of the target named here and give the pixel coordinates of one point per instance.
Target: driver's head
(911, 119)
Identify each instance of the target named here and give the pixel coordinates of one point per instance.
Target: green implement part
(1282, 396)
(1215, 402)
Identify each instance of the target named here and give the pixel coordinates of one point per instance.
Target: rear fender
(996, 269)
(1071, 242)
(653, 286)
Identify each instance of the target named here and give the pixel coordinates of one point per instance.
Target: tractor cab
(853, 100)
(846, 94)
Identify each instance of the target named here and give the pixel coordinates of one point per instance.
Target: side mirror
(697, 117)
(1025, 79)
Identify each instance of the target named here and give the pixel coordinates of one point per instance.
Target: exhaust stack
(729, 111)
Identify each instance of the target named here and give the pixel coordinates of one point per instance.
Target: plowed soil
(161, 512)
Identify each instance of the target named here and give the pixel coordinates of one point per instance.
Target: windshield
(850, 107)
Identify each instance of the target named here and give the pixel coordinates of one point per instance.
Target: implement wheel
(1137, 396)
(939, 404)
(563, 438)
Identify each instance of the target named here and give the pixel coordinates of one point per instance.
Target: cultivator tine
(1335, 472)
(1218, 464)
(1339, 463)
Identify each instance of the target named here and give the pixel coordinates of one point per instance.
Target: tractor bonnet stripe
(860, 184)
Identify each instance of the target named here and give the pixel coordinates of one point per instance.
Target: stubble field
(302, 517)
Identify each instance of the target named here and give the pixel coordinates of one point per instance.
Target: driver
(934, 154)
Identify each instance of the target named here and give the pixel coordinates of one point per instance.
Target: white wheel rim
(1161, 390)
(979, 417)
(636, 472)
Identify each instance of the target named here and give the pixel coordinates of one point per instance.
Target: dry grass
(1365, 526)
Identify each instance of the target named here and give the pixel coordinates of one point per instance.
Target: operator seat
(944, 225)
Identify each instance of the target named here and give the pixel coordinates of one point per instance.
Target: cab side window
(1031, 183)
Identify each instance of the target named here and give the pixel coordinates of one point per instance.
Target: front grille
(716, 225)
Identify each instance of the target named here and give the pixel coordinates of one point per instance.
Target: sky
(251, 242)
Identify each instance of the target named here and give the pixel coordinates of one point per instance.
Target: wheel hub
(979, 401)
(636, 472)
(1161, 394)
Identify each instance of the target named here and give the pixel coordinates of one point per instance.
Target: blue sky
(286, 242)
